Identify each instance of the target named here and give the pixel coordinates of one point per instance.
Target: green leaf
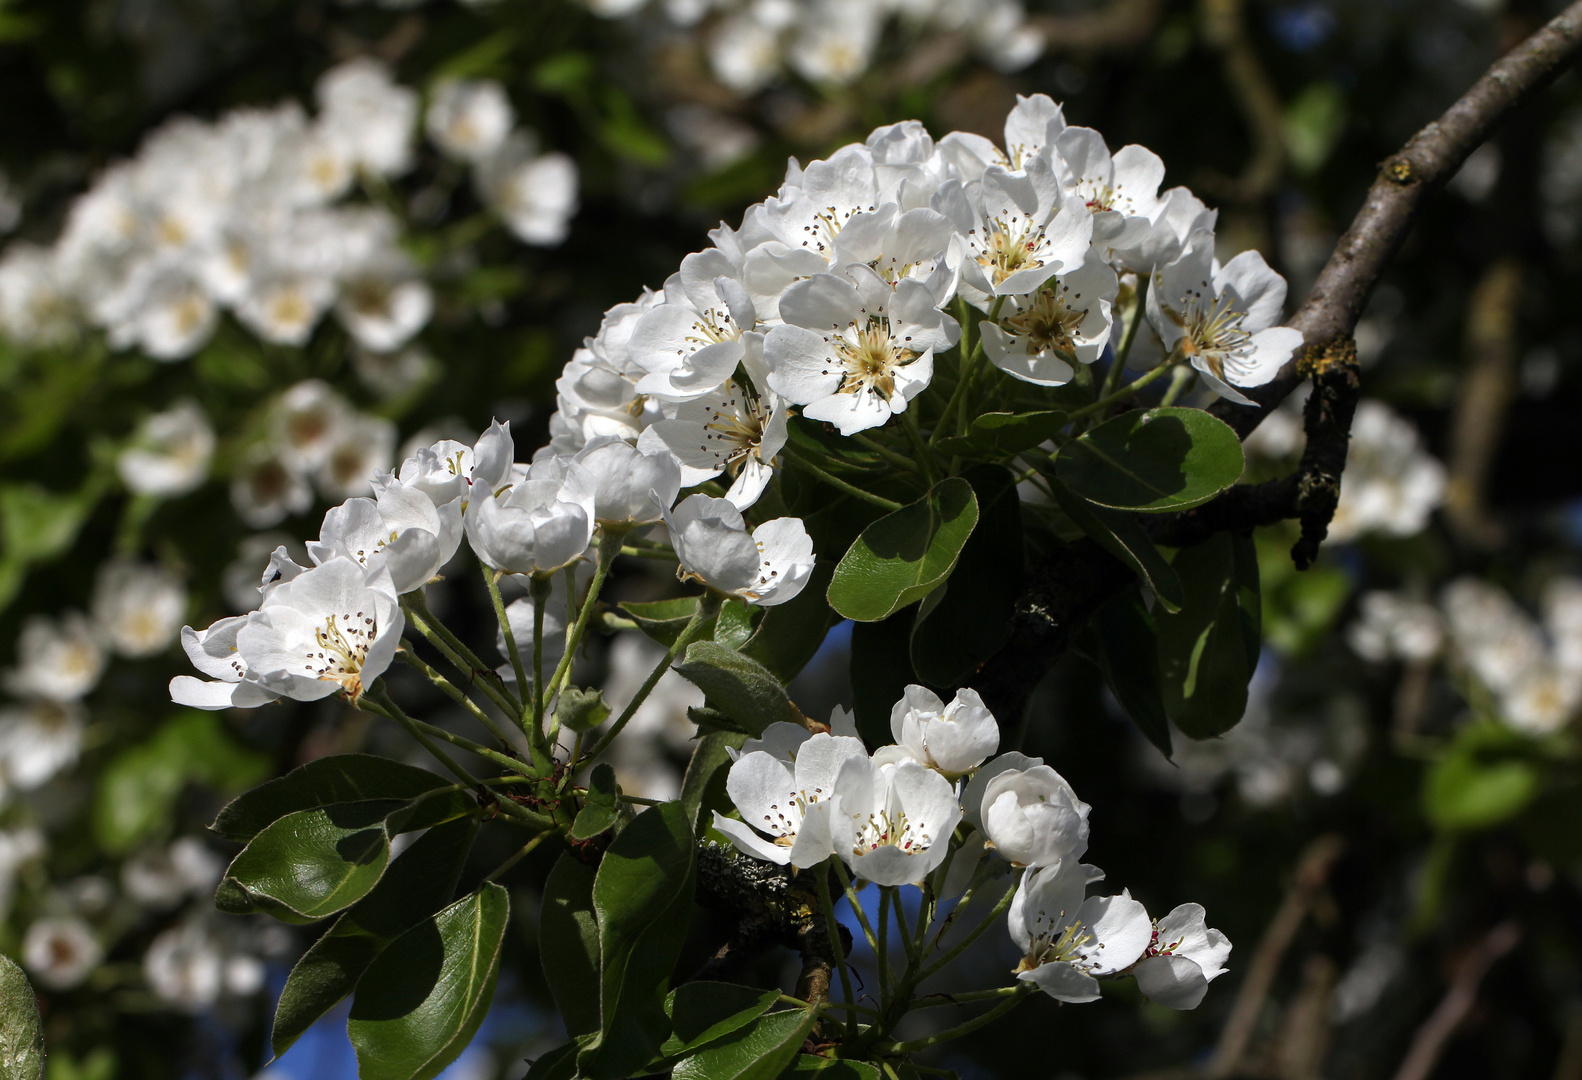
(1299, 606)
(36, 524)
(1000, 435)
(904, 556)
(790, 634)
(581, 710)
(568, 944)
(808, 1066)
(1485, 779)
(1313, 122)
(557, 1064)
(417, 884)
(21, 1032)
(760, 1051)
(1128, 655)
(642, 896)
(703, 786)
(313, 863)
(324, 782)
(1152, 460)
(420, 1002)
(1208, 650)
(881, 668)
(1120, 534)
(965, 621)
(703, 1011)
(601, 808)
(737, 685)
(137, 791)
(734, 624)
(663, 620)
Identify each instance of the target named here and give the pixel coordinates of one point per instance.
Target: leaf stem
(1134, 319)
(610, 545)
(460, 657)
(894, 457)
(1120, 395)
(1013, 999)
(832, 928)
(543, 585)
(924, 458)
(523, 853)
(973, 935)
(455, 693)
(491, 578)
(841, 485)
(856, 905)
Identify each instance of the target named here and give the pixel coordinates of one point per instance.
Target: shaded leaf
(737, 685)
(324, 782)
(663, 620)
(557, 1064)
(600, 808)
(21, 1033)
(904, 556)
(790, 634)
(999, 434)
(313, 863)
(760, 1051)
(1152, 460)
(808, 1066)
(703, 1011)
(568, 944)
(703, 786)
(1208, 650)
(1128, 655)
(1120, 534)
(1485, 778)
(881, 668)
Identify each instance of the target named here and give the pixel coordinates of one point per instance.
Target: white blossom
(162, 877)
(169, 452)
(789, 801)
(1391, 485)
(1183, 956)
(38, 741)
(57, 659)
(1066, 940)
(60, 952)
(1038, 336)
(535, 194)
(468, 119)
(537, 522)
(952, 739)
(1030, 815)
(632, 486)
(213, 651)
(138, 607)
(892, 823)
(1392, 626)
(768, 566)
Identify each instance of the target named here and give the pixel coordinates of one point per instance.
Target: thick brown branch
(1405, 182)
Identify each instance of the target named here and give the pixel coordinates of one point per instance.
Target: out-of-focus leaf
(1314, 121)
(904, 556)
(1152, 460)
(1300, 607)
(21, 1033)
(760, 1051)
(1486, 777)
(568, 944)
(1209, 649)
(601, 808)
(421, 1001)
(36, 524)
(1000, 435)
(737, 685)
(323, 782)
(313, 863)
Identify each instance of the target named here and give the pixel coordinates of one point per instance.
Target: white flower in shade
(834, 41)
(1392, 485)
(767, 567)
(176, 319)
(1031, 128)
(737, 430)
(169, 452)
(1492, 635)
(1040, 336)
(1223, 318)
(1392, 626)
(468, 119)
(520, 615)
(213, 652)
(1066, 940)
(783, 739)
(402, 532)
(392, 374)
(535, 194)
(1544, 699)
(38, 741)
(692, 343)
(449, 470)
(163, 877)
(138, 606)
(788, 801)
(363, 447)
(384, 302)
(60, 952)
(854, 350)
(1021, 230)
(305, 423)
(1562, 606)
(1183, 956)
(631, 486)
(1030, 815)
(36, 304)
(57, 660)
(265, 490)
(334, 628)
(283, 310)
(892, 823)
(538, 522)
(952, 739)
(1121, 192)
(364, 108)
(184, 967)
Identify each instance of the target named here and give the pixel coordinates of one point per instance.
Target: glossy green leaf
(323, 782)
(420, 1002)
(557, 1064)
(417, 884)
(601, 808)
(21, 1033)
(568, 944)
(642, 896)
(313, 863)
(703, 785)
(703, 1011)
(904, 556)
(1152, 460)
(999, 435)
(663, 620)
(881, 668)
(737, 685)
(1208, 650)
(735, 623)
(1128, 655)
(760, 1051)
(965, 621)
(789, 634)
(808, 1066)
(581, 710)
(1119, 533)
(1485, 778)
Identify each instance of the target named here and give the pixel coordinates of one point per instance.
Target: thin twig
(1452, 1010)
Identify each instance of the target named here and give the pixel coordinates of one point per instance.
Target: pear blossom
(1120, 191)
(57, 659)
(305, 423)
(213, 651)
(468, 119)
(1031, 128)
(361, 449)
(193, 964)
(1066, 940)
(334, 628)
(1020, 228)
(1223, 318)
(38, 741)
(1392, 626)
(60, 952)
(138, 607)
(383, 302)
(1392, 484)
(535, 194)
(265, 490)
(284, 309)
(783, 739)
(364, 108)
(632, 486)
(1038, 336)
(448, 470)
(892, 823)
(162, 877)
(402, 531)
(392, 374)
(169, 452)
(951, 739)
(1032, 817)
(693, 342)
(854, 350)
(766, 567)
(1183, 956)
(788, 801)
(536, 522)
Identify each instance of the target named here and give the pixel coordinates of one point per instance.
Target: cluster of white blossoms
(929, 807)
(136, 612)
(250, 214)
(1532, 669)
(832, 295)
(750, 43)
(1392, 485)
